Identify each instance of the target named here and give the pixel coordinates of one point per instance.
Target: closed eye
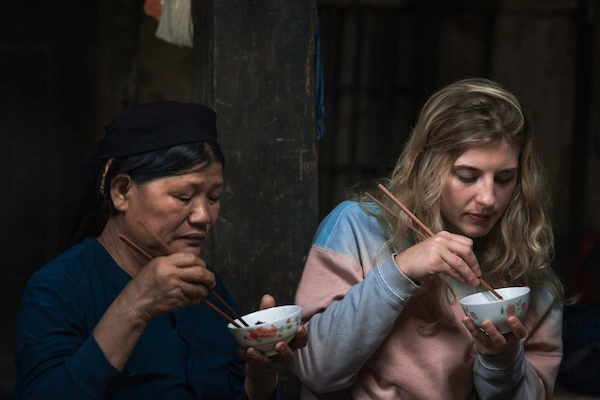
(504, 181)
(465, 179)
(183, 199)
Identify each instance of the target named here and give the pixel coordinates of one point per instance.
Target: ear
(120, 190)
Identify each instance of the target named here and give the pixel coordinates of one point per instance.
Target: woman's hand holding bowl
(489, 341)
(259, 366)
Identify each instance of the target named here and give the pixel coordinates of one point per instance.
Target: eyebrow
(470, 168)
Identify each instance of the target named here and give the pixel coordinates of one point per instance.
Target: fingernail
(513, 322)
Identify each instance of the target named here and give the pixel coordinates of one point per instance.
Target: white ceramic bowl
(267, 328)
(485, 306)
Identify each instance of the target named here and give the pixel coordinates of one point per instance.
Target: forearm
(344, 332)
(117, 333)
(263, 389)
(84, 376)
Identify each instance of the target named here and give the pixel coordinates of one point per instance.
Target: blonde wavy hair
(519, 248)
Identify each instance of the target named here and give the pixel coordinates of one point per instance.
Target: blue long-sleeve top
(187, 354)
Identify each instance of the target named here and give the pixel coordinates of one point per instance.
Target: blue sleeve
(56, 357)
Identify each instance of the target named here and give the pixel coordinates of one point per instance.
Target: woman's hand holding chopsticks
(444, 253)
(424, 232)
(168, 283)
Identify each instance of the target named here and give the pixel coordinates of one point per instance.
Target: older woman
(100, 321)
(381, 302)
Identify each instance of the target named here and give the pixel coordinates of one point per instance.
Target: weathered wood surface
(255, 66)
(264, 97)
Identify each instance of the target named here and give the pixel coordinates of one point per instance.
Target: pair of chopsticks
(167, 250)
(416, 220)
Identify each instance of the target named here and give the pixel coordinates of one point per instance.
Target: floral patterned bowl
(485, 306)
(267, 328)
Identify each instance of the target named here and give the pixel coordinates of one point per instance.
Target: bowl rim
(465, 300)
(295, 310)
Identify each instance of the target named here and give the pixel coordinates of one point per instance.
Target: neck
(127, 259)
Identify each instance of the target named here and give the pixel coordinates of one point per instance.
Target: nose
(200, 214)
(486, 195)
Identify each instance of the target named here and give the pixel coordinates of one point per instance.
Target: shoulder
(350, 222)
(69, 267)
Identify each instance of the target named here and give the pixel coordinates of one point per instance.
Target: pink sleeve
(324, 282)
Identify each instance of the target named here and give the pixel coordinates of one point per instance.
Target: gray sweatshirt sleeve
(529, 369)
(342, 337)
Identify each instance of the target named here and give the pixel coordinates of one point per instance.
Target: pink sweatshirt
(363, 329)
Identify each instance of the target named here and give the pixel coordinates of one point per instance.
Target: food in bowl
(267, 327)
(484, 306)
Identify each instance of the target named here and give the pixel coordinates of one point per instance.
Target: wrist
(404, 272)
(128, 313)
(263, 386)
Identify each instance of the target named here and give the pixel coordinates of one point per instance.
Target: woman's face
(180, 209)
(479, 187)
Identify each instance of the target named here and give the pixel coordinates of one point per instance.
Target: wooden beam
(256, 66)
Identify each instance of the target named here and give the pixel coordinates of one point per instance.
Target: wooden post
(255, 65)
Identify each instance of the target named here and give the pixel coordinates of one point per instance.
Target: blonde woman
(382, 307)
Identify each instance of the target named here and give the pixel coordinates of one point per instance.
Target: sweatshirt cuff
(504, 361)
(399, 284)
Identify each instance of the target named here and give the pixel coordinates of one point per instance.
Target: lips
(481, 218)
(195, 238)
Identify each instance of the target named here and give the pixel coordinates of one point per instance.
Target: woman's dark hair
(160, 163)
(156, 164)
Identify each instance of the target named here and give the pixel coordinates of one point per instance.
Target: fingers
(489, 341)
(193, 293)
(300, 339)
(185, 267)
(487, 336)
(457, 253)
(197, 275)
(517, 327)
(267, 301)
(285, 352)
(170, 282)
(274, 363)
(478, 334)
(496, 338)
(458, 269)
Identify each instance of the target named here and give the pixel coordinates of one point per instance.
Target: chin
(189, 249)
(476, 232)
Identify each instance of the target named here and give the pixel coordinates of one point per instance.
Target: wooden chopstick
(418, 232)
(406, 210)
(418, 222)
(148, 257)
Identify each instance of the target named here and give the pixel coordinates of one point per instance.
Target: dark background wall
(67, 67)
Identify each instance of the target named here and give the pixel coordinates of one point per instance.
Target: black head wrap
(153, 126)
(142, 129)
